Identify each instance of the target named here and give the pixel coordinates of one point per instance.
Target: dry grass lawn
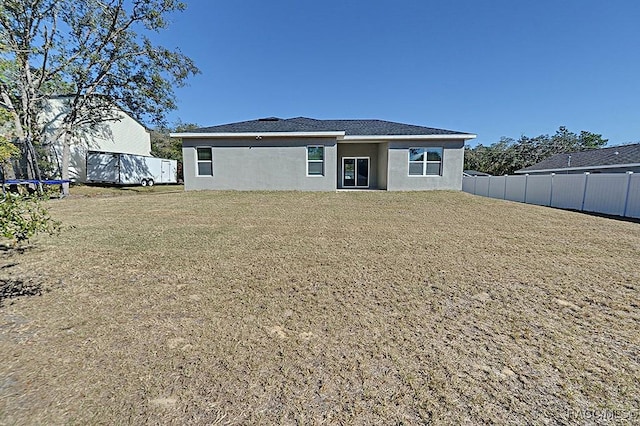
(322, 308)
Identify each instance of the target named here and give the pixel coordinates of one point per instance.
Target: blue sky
(494, 67)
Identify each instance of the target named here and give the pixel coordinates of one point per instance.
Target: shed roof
(593, 158)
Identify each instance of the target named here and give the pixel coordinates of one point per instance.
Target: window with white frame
(425, 161)
(204, 159)
(315, 160)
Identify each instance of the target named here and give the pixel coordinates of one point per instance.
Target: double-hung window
(315, 160)
(204, 159)
(425, 161)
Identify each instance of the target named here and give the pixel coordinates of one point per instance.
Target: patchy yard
(311, 308)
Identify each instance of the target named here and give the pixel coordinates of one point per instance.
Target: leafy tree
(163, 146)
(98, 53)
(508, 155)
(21, 217)
(588, 140)
(7, 149)
(166, 147)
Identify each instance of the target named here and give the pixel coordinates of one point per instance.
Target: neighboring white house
(124, 135)
(322, 155)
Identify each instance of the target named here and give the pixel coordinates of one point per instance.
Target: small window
(205, 161)
(425, 161)
(315, 161)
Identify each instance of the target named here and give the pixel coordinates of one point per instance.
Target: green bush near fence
(24, 216)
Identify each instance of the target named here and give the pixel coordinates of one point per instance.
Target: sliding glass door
(355, 172)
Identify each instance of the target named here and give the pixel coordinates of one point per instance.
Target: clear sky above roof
(494, 68)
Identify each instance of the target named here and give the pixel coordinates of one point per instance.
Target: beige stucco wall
(383, 164)
(369, 150)
(266, 164)
(398, 166)
(280, 164)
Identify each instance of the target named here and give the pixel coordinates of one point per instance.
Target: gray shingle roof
(303, 124)
(475, 173)
(611, 156)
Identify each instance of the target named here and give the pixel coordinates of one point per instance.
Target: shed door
(166, 172)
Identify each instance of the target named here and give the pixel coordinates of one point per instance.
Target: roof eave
(205, 135)
(339, 134)
(456, 136)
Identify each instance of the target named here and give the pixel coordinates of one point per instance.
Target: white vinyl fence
(609, 193)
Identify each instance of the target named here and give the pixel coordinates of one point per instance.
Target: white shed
(125, 135)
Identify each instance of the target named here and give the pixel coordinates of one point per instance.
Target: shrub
(24, 216)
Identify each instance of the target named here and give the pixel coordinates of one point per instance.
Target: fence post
(584, 191)
(504, 194)
(475, 184)
(551, 191)
(489, 186)
(626, 198)
(526, 181)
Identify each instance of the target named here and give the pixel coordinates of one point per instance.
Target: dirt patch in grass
(323, 308)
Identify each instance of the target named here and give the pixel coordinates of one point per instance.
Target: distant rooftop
(303, 124)
(610, 156)
(474, 173)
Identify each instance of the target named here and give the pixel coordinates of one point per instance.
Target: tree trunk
(29, 159)
(33, 168)
(66, 157)
(7, 170)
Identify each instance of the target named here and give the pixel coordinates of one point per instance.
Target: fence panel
(609, 193)
(468, 185)
(516, 188)
(568, 191)
(606, 193)
(538, 190)
(633, 200)
(482, 186)
(496, 189)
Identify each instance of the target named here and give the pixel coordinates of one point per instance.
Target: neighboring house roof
(603, 158)
(474, 173)
(330, 127)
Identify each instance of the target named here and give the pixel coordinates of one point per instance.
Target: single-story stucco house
(322, 155)
(613, 159)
